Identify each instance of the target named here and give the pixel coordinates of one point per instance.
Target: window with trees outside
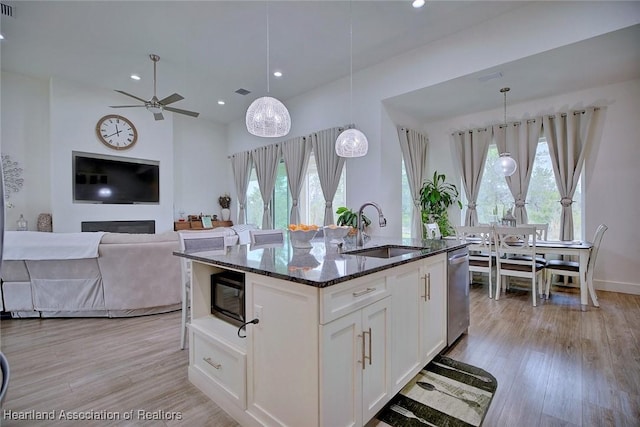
(543, 198)
(311, 202)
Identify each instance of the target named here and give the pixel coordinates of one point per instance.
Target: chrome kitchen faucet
(381, 218)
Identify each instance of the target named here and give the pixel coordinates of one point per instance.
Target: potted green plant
(436, 196)
(349, 218)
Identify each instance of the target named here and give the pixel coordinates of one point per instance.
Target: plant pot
(225, 214)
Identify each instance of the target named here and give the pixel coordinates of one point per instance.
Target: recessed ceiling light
(220, 102)
(1, 37)
(417, 3)
(278, 73)
(135, 77)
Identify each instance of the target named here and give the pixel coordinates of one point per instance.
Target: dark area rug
(446, 393)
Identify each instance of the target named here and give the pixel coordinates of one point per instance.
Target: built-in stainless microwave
(227, 296)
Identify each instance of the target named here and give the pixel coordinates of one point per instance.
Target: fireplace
(133, 227)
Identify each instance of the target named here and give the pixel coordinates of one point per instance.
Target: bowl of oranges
(300, 235)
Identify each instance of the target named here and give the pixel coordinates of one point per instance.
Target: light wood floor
(555, 365)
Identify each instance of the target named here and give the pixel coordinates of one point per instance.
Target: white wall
(43, 122)
(25, 134)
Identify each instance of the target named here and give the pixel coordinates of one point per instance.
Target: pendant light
(505, 165)
(266, 116)
(351, 142)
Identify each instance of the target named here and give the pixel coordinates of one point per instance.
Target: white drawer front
(223, 364)
(347, 297)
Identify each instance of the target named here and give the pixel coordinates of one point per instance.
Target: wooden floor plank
(555, 364)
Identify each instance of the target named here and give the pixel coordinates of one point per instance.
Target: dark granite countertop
(321, 265)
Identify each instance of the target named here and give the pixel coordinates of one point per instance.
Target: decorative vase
(226, 214)
(22, 224)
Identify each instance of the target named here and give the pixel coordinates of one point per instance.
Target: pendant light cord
(350, 61)
(268, 48)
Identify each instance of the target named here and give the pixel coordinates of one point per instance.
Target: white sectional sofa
(132, 274)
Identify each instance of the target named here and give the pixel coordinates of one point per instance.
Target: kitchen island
(339, 333)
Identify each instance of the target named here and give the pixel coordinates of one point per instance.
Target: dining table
(578, 248)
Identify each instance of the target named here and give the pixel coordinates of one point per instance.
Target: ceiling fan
(154, 105)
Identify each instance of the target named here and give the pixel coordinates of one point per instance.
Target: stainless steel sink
(388, 251)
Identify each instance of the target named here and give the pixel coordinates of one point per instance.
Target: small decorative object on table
(225, 203)
(300, 235)
(45, 223)
(335, 234)
(22, 224)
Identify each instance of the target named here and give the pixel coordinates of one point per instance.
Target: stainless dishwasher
(457, 294)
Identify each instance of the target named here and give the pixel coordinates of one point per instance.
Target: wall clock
(116, 132)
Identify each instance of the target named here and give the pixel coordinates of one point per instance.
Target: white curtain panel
(266, 161)
(470, 149)
(414, 152)
(241, 166)
(569, 136)
(329, 166)
(296, 153)
(522, 143)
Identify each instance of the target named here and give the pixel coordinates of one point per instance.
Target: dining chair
(572, 268)
(433, 230)
(510, 243)
(6, 375)
(542, 230)
(267, 238)
(481, 256)
(192, 242)
(541, 234)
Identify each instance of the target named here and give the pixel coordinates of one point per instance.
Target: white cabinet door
(341, 371)
(376, 372)
(433, 322)
(355, 365)
(406, 356)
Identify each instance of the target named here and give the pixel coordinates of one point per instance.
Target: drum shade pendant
(505, 165)
(351, 142)
(267, 116)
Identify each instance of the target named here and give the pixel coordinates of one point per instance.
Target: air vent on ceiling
(487, 77)
(242, 91)
(6, 10)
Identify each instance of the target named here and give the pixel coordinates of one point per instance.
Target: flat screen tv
(101, 178)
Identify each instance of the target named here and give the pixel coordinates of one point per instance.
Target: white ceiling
(209, 49)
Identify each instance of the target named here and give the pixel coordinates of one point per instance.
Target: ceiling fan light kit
(154, 105)
(505, 165)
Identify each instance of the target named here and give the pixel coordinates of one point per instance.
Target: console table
(197, 225)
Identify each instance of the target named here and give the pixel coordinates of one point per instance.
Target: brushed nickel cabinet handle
(364, 292)
(428, 276)
(369, 345)
(363, 355)
(424, 279)
(212, 363)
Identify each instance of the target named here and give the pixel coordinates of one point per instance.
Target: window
(311, 202)
(407, 204)
(543, 198)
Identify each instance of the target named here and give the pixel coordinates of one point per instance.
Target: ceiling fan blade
(158, 116)
(133, 96)
(125, 106)
(177, 110)
(171, 99)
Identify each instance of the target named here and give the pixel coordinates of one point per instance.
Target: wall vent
(487, 77)
(7, 10)
(242, 91)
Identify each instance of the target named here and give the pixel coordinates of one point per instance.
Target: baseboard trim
(622, 287)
